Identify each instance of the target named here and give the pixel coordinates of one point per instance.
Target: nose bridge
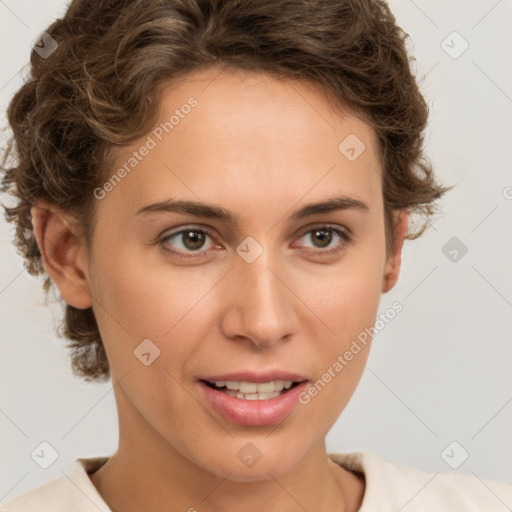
(261, 307)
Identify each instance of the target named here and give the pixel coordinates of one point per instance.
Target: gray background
(438, 373)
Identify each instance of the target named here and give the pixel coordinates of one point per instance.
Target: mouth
(246, 390)
(261, 403)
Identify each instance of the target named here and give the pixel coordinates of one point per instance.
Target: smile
(252, 390)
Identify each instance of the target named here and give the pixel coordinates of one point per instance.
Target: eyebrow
(199, 209)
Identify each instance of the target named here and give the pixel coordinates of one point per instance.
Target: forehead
(230, 135)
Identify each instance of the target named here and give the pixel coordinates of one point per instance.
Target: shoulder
(70, 493)
(50, 496)
(391, 487)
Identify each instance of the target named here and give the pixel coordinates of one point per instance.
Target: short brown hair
(99, 90)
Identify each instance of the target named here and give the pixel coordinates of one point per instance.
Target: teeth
(253, 396)
(253, 387)
(279, 385)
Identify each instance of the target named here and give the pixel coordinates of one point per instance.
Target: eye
(188, 241)
(334, 239)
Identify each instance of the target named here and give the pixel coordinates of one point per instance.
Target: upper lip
(258, 377)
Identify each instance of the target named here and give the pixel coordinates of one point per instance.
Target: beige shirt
(389, 488)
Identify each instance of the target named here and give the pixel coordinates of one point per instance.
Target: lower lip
(253, 412)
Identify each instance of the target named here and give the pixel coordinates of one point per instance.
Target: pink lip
(249, 376)
(252, 412)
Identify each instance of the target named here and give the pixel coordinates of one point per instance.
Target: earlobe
(394, 260)
(62, 254)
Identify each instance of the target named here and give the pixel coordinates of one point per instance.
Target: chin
(267, 464)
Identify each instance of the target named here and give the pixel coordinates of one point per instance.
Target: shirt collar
(83, 494)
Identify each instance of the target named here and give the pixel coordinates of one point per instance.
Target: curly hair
(98, 90)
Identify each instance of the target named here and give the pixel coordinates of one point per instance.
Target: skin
(260, 148)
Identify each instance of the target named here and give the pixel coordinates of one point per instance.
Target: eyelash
(346, 239)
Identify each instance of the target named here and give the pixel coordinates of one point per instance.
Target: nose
(260, 305)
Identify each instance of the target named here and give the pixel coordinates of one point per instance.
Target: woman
(220, 191)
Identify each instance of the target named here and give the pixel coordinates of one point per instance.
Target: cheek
(345, 310)
(140, 297)
(346, 304)
(347, 296)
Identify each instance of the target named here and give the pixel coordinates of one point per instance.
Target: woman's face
(277, 292)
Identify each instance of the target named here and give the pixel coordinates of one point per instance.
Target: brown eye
(323, 236)
(193, 239)
(186, 242)
(326, 239)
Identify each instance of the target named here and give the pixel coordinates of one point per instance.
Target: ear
(64, 254)
(394, 260)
